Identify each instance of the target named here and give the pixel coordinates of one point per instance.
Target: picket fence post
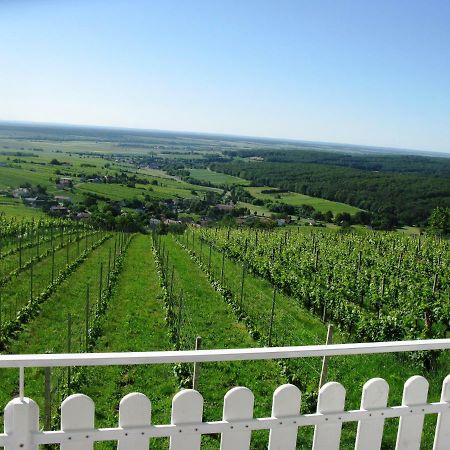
(286, 402)
(21, 420)
(134, 411)
(415, 392)
(370, 433)
(331, 400)
(442, 436)
(237, 405)
(187, 407)
(78, 413)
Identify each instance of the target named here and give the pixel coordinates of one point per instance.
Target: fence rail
(241, 354)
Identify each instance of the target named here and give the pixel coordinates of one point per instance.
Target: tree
(328, 217)
(362, 217)
(439, 221)
(343, 219)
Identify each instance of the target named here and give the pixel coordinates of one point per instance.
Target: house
(62, 200)
(65, 183)
(241, 220)
(30, 201)
(84, 215)
(171, 222)
(59, 210)
(226, 208)
(20, 192)
(154, 222)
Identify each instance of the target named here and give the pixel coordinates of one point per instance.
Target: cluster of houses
(59, 204)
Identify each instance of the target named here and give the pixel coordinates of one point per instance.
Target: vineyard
(67, 287)
(374, 286)
(268, 311)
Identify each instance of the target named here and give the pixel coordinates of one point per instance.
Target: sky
(348, 71)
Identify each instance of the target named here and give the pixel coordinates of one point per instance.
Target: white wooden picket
(187, 408)
(327, 436)
(21, 420)
(238, 405)
(442, 437)
(370, 433)
(78, 414)
(134, 411)
(409, 435)
(286, 403)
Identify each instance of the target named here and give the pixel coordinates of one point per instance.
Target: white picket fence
(135, 431)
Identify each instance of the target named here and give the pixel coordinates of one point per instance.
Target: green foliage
(439, 221)
(394, 197)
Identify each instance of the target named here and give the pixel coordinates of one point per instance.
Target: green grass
(295, 199)
(15, 208)
(217, 178)
(259, 210)
(134, 322)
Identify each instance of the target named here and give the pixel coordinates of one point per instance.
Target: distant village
(150, 213)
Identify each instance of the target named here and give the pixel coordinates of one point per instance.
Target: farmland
(152, 250)
(217, 178)
(296, 199)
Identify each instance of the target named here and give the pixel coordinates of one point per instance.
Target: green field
(217, 178)
(11, 207)
(295, 199)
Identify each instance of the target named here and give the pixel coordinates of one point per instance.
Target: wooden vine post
(31, 280)
(209, 258)
(67, 250)
(20, 251)
(87, 313)
(53, 264)
(272, 315)
(196, 374)
(109, 266)
(47, 398)
(222, 272)
(171, 286)
(324, 371)
(100, 286)
(115, 253)
(179, 319)
(242, 285)
(69, 349)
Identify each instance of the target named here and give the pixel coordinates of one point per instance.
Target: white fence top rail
(241, 354)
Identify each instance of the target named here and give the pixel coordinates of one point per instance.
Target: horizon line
(436, 153)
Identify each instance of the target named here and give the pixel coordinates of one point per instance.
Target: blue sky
(373, 72)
